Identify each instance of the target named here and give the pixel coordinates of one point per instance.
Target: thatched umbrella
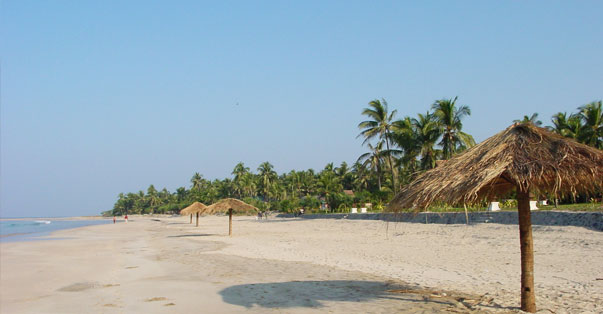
(228, 205)
(523, 157)
(195, 208)
(185, 212)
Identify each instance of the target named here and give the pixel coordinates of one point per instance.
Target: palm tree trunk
(230, 222)
(391, 167)
(528, 298)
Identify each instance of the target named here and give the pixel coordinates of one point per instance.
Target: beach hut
(229, 205)
(195, 208)
(524, 158)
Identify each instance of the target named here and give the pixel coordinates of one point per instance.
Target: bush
(261, 205)
(309, 203)
(336, 200)
(289, 205)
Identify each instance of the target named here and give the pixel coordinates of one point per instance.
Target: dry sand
(166, 265)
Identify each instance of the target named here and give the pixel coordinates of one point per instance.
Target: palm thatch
(523, 156)
(194, 208)
(224, 205)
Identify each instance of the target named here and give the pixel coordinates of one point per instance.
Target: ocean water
(32, 229)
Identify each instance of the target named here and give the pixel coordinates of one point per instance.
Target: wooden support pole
(197, 220)
(528, 298)
(191, 219)
(466, 214)
(230, 222)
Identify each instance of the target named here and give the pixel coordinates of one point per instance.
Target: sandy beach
(166, 265)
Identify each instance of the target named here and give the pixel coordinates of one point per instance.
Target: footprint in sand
(156, 299)
(79, 286)
(130, 267)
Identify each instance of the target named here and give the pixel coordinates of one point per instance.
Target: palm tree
(361, 176)
(153, 197)
(345, 175)
(560, 123)
(181, 194)
(379, 125)
(196, 180)
(248, 185)
(267, 178)
(239, 172)
(372, 160)
(328, 184)
(592, 117)
(427, 133)
(449, 118)
(532, 119)
(308, 181)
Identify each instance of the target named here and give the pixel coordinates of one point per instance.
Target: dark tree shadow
(313, 293)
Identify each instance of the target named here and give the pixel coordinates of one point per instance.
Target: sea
(12, 230)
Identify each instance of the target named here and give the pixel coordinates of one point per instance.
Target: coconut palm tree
(153, 197)
(427, 133)
(239, 172)
(450, 118)
(532, 119)
(345, 175)
(404, 136)
(362, 176)
(196, 180)
(560, 123)
(267, 178)
(308, 181)
(592, 118)
(379, 126)
(248, 184)
(181, 194)
(372, 160)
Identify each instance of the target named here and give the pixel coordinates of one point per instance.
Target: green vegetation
(398, 151)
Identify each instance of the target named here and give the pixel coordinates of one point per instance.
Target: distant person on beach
(126, 218)
(113, 219)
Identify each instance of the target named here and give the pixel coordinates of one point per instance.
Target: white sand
(298, 266)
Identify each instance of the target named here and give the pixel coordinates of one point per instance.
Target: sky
(103, 97)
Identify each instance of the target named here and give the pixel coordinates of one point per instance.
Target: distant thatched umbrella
(195, 208)
(228, 205)
(522, 157)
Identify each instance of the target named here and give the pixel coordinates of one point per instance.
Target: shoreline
(163, 263)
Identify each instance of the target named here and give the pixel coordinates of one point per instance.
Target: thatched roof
(194, 208)
(222, 206)
(523, 156)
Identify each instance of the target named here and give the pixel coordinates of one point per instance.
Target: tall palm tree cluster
(584, 126)
(398, 150)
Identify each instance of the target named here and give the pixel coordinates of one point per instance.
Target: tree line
(398, 151)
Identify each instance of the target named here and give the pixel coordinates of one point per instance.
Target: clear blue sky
(102, 97)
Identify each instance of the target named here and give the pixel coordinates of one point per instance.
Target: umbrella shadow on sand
(312, 294)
